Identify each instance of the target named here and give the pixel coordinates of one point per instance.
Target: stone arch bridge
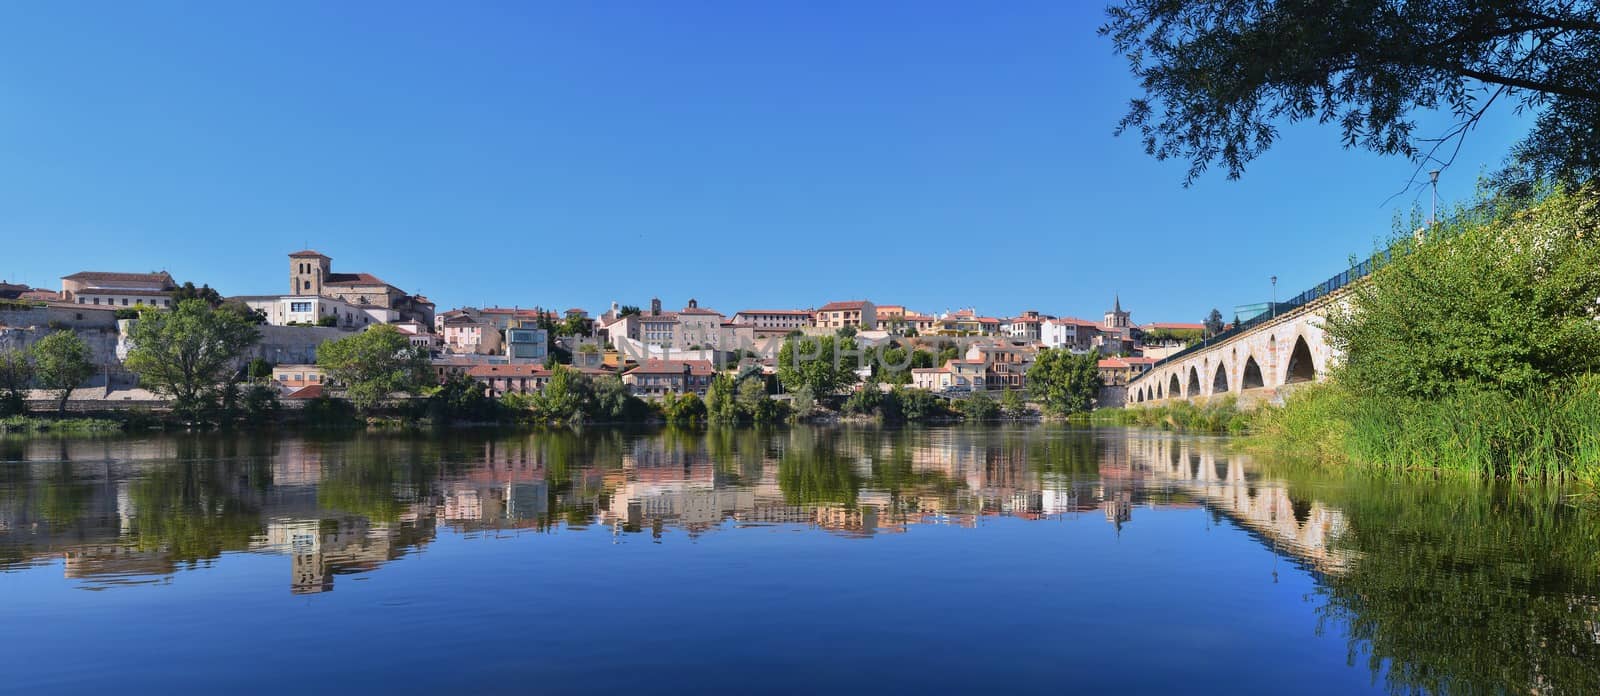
(1258, 360)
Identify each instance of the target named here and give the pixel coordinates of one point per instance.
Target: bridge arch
(1219, 383)
(1251, 376)
(1193, 389)
(1301, 367)
(1173, 389)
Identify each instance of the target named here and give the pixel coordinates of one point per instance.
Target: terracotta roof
(1073, 321)
(352, 279)
(1024, 320)
(698, 310)
(310, 392)
(1140, 361)
(497, 370)
(107, 276)
(847, 304)
(1112, 363)
(673, 367)
(308, 252)
(792, 312)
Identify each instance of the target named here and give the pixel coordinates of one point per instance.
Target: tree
(16, 373)
(1214, 323)
(754, 401)
(1497, 299)
(189, 353)
(628, 310)
(1219, 75)
(204, 293)
(1011, 403)
(258, 370)
(720, 404)
(978, 407)
(62, 361)
(374, 364)
(1064, 382)
(818, 364)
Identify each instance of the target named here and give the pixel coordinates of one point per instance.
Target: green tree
(755, 403)
(720, 403)
(189, 353)
(1214, 323)
(1065, 383)
(1011, 403)
(822, 364)
(1219, 75)
(1499, 298)
(62, 361)
(204, 293)
(978, 407)
(375, 363)
(866, 399)
(16, 373)
(258, 370)
(628, 311)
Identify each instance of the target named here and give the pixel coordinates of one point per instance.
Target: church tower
(1116, 318)
(307, 269)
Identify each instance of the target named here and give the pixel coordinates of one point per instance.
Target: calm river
(1035, 559)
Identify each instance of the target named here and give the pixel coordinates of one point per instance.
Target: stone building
(311, 273)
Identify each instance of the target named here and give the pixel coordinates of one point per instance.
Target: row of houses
(655, 350)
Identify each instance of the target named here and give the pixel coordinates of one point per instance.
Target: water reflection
(1438, 586)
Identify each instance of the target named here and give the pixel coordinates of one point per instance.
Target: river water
(1035, 559)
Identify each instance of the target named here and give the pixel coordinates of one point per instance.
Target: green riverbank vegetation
(1474, 347)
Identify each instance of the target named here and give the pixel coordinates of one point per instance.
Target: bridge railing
(1320, 290)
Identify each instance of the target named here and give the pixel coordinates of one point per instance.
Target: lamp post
(1274, 297)
(1433, 210)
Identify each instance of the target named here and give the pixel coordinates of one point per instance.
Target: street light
(1274, 297)
(1433, 211)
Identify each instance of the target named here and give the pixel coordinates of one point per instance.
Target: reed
(1540, 434)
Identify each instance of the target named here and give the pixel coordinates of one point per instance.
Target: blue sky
(936, 155)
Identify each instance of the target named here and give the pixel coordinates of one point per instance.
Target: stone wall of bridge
(1259, 365)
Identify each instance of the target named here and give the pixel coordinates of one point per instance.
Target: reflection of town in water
(120, 511)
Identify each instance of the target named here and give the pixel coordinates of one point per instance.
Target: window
(306, 284)
(299, 306)
(124, 301)
(81, 300)
(166, 303)
(97, 300)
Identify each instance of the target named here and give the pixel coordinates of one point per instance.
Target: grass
(1215, 416)
(69, 426)
(1547, 434)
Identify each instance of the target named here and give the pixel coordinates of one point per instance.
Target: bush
(978, 407)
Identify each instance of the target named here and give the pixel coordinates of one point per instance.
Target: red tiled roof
(307, 252)
(157, 277)
(653, 366)
(793, 312)
(352, 279)
(698, 310)
(1140, 361)
(844, 305)
(310, 392)
(521, 370)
